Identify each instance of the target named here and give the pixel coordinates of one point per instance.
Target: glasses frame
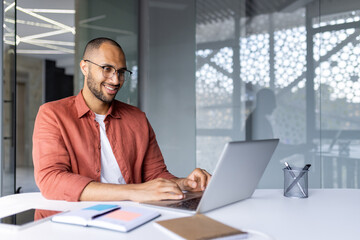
(116, 70)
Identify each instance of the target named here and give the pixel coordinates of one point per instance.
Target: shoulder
(64, 105)
(125, 109)
(50, 114)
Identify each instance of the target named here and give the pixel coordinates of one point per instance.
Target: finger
(175, 190)
(170, 196)
(170, 190)
(208, 176)
(206, 173)
(189, 184)
(169, 186)
(194, 174)
(201, 177)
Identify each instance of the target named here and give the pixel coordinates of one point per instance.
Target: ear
(84, 67)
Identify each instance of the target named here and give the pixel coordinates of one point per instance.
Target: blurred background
(206, 72)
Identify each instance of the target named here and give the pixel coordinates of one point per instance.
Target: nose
(115, 79)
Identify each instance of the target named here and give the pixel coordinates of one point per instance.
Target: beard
(91, 83)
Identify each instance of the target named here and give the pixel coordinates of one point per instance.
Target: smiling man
(92, 147)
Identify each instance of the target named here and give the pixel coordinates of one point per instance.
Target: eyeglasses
(108, 71)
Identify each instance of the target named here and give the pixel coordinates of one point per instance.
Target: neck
(95, 105)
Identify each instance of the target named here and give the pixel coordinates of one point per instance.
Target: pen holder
(296, 183)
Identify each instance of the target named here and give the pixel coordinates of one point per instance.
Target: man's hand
(157, 189)
(195, 182)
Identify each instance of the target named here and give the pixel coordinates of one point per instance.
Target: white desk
(328, 214)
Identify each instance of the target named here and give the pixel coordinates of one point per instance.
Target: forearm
(96, 191)
(157, 189)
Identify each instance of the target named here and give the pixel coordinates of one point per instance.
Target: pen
(307, 166)
(104, 213)
(296, 180)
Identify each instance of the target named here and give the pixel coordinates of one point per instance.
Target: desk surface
(330, 214)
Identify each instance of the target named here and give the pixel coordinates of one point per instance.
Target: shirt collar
(82, 107)
(114, 109)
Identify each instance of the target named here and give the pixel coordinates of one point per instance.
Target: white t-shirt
(110, 170)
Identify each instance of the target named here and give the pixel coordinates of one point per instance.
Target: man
(91, 147)
(257, 125)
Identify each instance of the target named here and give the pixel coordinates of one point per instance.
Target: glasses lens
(124, 75)
(108, 72)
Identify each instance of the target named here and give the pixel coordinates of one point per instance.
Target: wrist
(131, 191)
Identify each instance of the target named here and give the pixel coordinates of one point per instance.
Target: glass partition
(337, 85)
(281, 69)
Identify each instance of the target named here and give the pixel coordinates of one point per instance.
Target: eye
(121, 71)
(108, 69)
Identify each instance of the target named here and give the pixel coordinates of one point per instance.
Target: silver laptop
(235, 178)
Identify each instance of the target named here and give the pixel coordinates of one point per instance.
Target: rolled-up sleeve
(52, 166)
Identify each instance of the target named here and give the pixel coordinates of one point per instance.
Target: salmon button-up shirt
(67, 149)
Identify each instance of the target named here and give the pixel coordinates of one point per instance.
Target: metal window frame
(1, 97)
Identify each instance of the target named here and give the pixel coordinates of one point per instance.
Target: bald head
(265, 101)
(95, 44)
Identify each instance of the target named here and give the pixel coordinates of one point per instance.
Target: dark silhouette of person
(257, 125)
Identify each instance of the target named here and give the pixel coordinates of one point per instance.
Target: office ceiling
(220, 10)
(45, 29)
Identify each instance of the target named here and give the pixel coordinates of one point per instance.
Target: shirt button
(97, 170)
(99, 146)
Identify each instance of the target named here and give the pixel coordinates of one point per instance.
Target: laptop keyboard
(189, 204)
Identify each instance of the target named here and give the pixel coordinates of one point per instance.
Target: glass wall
(337, 84)
(281, 69)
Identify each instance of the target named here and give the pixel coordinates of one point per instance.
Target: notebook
(237, 173)
(112, 217)
(199, 227)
